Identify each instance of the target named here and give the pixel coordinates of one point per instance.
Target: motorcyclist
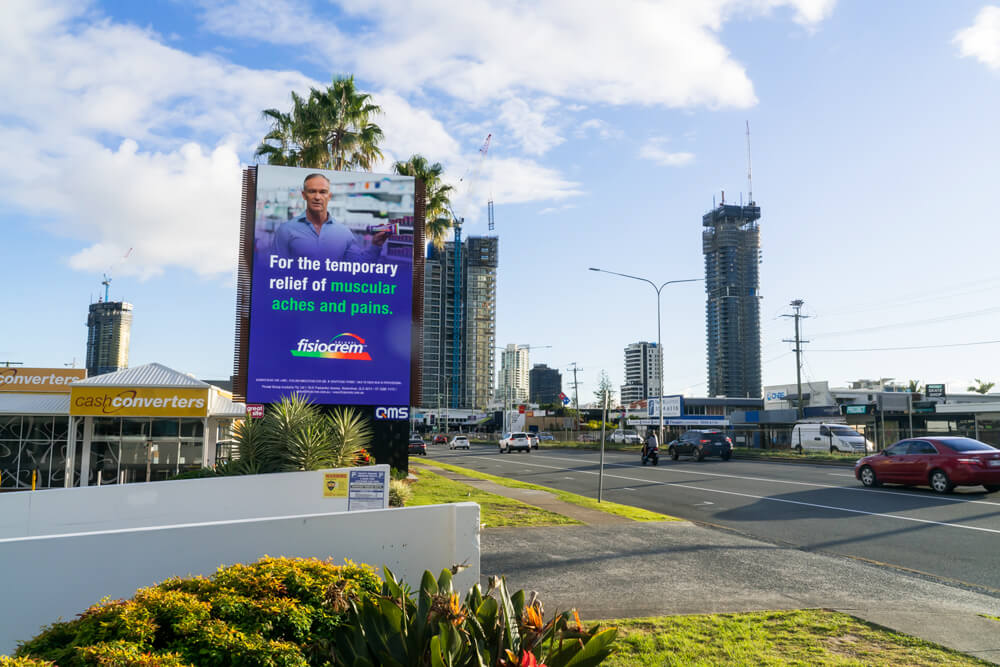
(652, 442)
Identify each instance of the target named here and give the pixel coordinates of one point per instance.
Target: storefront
(141, 424)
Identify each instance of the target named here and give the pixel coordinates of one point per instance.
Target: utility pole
(576, 388)
(797, 305)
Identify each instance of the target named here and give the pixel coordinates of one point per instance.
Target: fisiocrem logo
(341, 346)
(129, 398)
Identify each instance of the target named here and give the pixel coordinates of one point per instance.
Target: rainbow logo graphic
(341, 346)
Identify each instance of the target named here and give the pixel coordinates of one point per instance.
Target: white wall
(90, 508)
(48, 577)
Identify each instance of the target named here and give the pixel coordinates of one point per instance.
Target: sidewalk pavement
(617, 568)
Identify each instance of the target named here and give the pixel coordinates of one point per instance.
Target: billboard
(97, 401)
(331, 287)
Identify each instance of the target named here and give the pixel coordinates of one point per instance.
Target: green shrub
(276, 611)
(399, 493)
(281, 612)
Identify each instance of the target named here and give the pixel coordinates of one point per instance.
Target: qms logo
(393, 413)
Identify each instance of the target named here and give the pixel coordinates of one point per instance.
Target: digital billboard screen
(331, 287)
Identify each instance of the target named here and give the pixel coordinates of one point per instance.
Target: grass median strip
(634, 513)
(799, 637)
(495, 511)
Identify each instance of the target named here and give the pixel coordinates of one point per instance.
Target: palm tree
(982, 387)
(437, 196)
(342, 121)
(330, 129)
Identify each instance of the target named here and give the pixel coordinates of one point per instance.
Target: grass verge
(799, 637)
(494, 510)
(634, 513)
(787, 454)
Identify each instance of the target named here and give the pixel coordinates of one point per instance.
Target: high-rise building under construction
(109, 328)
(459, 328)
(731, 245)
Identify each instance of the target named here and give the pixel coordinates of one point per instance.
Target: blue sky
(874, 143)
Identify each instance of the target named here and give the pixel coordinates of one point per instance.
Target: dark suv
(701, 443)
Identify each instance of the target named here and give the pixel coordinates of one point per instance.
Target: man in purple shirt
(316, 235)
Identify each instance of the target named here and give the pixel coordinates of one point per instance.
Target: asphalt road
(822, 509)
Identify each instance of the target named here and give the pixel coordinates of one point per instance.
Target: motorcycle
(651, 454)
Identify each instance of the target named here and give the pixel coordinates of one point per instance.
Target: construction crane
(107, 277)
(456, 323)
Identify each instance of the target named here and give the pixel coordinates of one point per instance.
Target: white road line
(790, 502)
(688, 471)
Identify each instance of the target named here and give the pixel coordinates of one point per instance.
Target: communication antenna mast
(749, 166)
(489, 212)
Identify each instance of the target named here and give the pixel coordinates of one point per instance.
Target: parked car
(545, 435)
(511, 441)
(533, 440)
(417, 445)
(440, 439)
(941, 463)
(459, 442)
(587, 437)
(832, 437)
(625, 437)
(700, 443)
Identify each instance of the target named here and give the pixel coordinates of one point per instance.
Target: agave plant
(295, 435)
(496, 629)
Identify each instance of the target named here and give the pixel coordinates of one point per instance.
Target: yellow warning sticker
(335, 485)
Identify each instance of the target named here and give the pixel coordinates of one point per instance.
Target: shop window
(165, 428)
(107, 426)
(192, 428)
(10, 428)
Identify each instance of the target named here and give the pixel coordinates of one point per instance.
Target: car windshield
(967, 445)
(518, 435)
(845, 431)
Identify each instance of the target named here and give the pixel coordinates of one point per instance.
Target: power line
(933, 320)
(911, 347)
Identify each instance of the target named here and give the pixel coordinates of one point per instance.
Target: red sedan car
(942, 463)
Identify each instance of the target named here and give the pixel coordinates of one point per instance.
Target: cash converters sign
(137, 402)
(39, 380)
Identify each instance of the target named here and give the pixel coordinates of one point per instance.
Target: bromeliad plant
(492, 630)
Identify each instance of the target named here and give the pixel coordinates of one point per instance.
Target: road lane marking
(790, 502)
(689, 470)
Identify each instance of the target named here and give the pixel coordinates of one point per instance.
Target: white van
(829, 437)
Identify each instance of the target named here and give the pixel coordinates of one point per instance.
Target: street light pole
(659, 339)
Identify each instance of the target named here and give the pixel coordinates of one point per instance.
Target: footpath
(614, 567)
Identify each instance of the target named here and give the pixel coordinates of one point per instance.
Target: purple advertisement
(330, 311)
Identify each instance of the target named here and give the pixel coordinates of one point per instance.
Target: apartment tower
(643, 363)
(109, 328)
(731, 245)
(459, 331)
(514, 374)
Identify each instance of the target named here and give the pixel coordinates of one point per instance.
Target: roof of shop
(148, 375)
(34, 404)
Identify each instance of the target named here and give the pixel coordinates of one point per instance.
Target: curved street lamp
(659, 345)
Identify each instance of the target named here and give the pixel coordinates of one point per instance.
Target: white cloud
(526, 122)
(598, 126)
(655, 150)
(126, 142)
(480, 51)
(981, 40)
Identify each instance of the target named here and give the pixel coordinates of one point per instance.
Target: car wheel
(833, 450)
(991, 488)
(940, 482)
(699, 455)
(868, 477)
(673, 453)
(798, 449)
(726, 456)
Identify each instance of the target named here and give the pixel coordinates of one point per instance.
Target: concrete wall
(53, 576)
(93, 508)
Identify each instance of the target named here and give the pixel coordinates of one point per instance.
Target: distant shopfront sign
(39, 380)
(934, 391)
